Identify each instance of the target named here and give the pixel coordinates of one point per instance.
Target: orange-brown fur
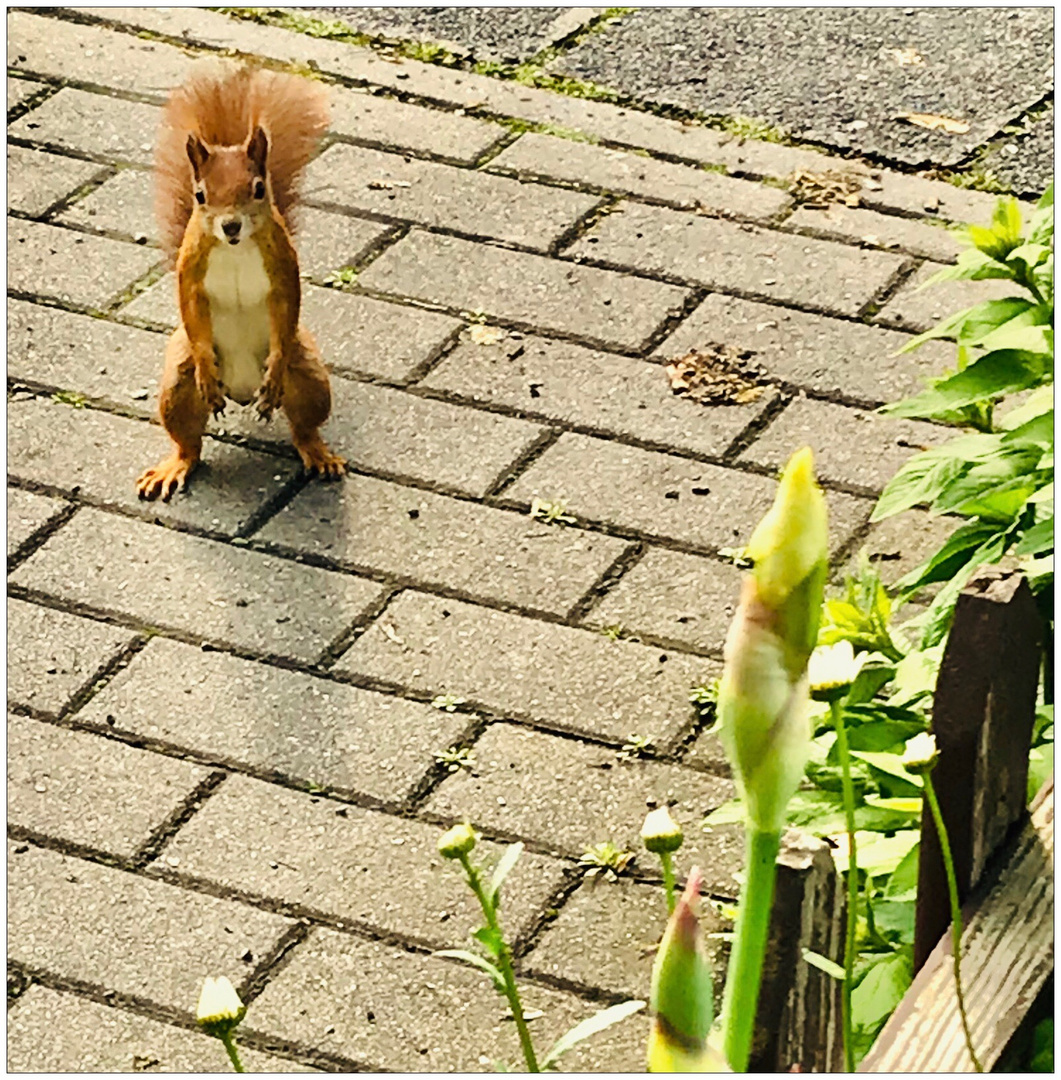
(232, 145)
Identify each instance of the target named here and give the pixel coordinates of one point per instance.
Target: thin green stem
(741, 999)
(504, 964)
(233, 1054)
(955, 912)
(665, 857)
(843, 753)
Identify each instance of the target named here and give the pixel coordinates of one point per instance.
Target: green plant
(999, 477)
(346, 276)
(662, 835)
(219, 1013)
(636, 746)
(552, 513)
(605, 860)
(447, 702)
(456, 758)
(458, 844)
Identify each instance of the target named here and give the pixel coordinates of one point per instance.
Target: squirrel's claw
(318, 459)
(210, 391)
(165, 479)
(268, 399)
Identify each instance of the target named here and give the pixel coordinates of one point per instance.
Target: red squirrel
(232, 145)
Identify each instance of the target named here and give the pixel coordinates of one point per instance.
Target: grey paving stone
(281, 722)
(99, 456)
(386, 1008)
(832, 356)
(73, 267)
(202, 587)
(90, 790)
(445, 196)
(707, 753)
(80, 920)
(46, 1034)
(1025, 162)
(935, 198)
(662, 495)
(26, 513)
(36, 180)
(572, 679)
(56, 48)
(605, 308)
(412, 127)
(614, 170)
(107, 127)
(328, 242)
(18, 91)
(919, 237)
(606, 933)
(572, 795)
(614, 394)
(900, 543)
(673, 596)
(52, 655)
(422, 537)
(920, 309)
(850, 446)
(125, 204)
(723, 254)
(361, 866)
(90, 356)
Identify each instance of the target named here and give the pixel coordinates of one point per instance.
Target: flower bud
(220, 1008)
(457, 842)
(661, 832)
(832, 669)
(920, 755)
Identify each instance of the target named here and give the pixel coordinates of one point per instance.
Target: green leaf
(508, 860)
(998, 472)
(972, 265)
(920, 480)
(1038, 403)
(902, 885)
(892, 764)
(1032, 255)
(491, 940)
(590, 1026)
(895, 917)
(1002, 503)
(881, 989)
(1039, 538)
(878, 854)
(915, 676)
(823, 963)
(954, 553)
(972, 323)
(1040, 766)
(476, 961)
(729, 813)
(882, 736)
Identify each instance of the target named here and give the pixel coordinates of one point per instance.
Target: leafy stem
(233, 1054)
(504, 961)
(955, 912)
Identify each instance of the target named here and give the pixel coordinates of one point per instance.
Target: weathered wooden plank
(1007, 956)
(982, 717)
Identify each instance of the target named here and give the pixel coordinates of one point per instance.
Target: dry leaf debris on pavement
(717, 374)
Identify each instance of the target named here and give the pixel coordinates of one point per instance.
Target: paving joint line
(891, 287)
(758, 425)
(608, 578)
(341, 644)
(33, 101)
(434, 358)
(274, 961)
(65, 82)
(607, 204)
(109, 161)
(188, 807)
(523, 461)
(39, 537)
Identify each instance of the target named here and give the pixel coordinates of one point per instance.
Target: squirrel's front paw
(270, 395)
(210, 391)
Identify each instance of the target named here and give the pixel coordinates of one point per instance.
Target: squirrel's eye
(259, 189)
(200, 197)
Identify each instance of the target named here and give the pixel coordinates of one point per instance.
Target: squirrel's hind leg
(184, 414)
(307, 401)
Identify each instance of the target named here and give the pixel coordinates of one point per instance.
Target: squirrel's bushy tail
(222, 104)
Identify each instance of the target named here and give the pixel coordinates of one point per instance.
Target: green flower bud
(661, 832)
(921, 755)
(457, 842)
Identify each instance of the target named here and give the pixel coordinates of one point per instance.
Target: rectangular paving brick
(708, 754)
(74, 267)
(916, 308)
(52, 654)
(99, 456)
(411, 127)
(602, 391)
(386, 1008)
(605, 308)
(850, 446)
(202, 587)
(36, 180)
(78, 920)
(361, 866)
(94, 357)
(832, 356)
(675, 597)
(450, 543)
(572, 679)
(662, 495)
(898, 544)
(918, 236)
(26, 513)
(61, 50)
(97, 124)
(90, 790)
(935, 198)
(430, 193)
(745, 258)
(615, 170)
(572, 795)
(274, 721)
(327, 242)
(19, 91)
(46, 1034)
(605, 934)
(125, 204)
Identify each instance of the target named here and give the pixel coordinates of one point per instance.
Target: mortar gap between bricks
(64, 202)
(891, 287)
(608, 578)
(34, 101)
(756, 428)
(433, 359)
(347, 637)
(152, 847)
(395, 150)
(40, 536)
(671, 323)
(584, 222)
(104, 674)
(70, 152)
(502, 143)
(510, 473)
(439, 770)
(554, 903)
(274, 961)
(272, 506)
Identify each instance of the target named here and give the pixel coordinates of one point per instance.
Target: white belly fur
(237, 287)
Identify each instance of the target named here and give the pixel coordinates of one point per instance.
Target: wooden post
(798, 1022)
(983, 713)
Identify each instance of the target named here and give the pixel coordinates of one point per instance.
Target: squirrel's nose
(231, 228)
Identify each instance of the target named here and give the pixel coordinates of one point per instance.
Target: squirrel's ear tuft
(257, 149)
(197, 154)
